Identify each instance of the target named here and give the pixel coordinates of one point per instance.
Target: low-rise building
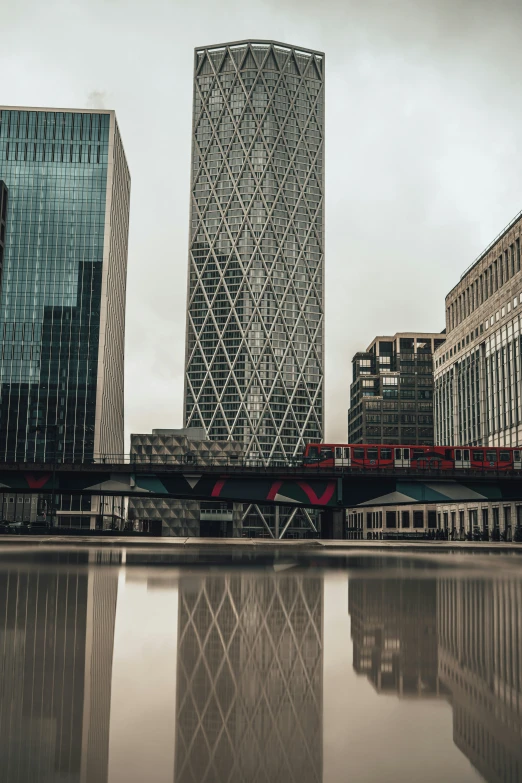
(171, 517)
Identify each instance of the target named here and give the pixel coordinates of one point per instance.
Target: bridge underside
(299, 489)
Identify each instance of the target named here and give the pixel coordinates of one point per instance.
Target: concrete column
(332, 523)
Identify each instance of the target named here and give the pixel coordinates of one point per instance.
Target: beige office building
(478, 373)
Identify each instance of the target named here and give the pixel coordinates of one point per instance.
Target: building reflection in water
(458, 639)
(480, 661)
(250, 671)
(394, 632)
(56, 640)
(225, 671)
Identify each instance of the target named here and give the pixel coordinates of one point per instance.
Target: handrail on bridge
(230, 462)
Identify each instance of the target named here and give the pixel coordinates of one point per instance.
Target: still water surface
(134, 667)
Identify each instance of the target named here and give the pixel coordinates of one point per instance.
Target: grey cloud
(422, 152)
(97, 99)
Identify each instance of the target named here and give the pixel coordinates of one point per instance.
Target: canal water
(148, 666)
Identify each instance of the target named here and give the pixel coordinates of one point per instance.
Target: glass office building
(62, 315)
(254, 352)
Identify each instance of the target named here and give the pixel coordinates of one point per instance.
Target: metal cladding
(254, 353)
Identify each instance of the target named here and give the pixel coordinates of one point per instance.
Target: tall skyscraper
(62, 313)
(255, 315)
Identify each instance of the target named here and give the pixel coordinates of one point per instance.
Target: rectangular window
(373, 454)
(418, 519)
(386, 454)
(391, 519)
(432, 519)
(405, 521)
(478, 456)
(358, 453)
(491, 456)
(504, 456)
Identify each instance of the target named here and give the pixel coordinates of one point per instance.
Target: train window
(458, 454)
(386, 454)
(347, 453)
(313, 451)
(338, 452)
(516, 455)
(478, 456)
(466, 455)
(491, 456)
(406, 453)
(504, 456)
(373, 454)
(448, 454)
(326, 453)
(417, 454)
(358, 453)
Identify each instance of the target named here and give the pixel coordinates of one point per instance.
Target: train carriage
(378, 456)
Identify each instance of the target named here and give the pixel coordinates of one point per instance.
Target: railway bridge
(330, 488)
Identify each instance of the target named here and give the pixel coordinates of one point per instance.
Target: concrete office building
(62, 314)
(478, 373)
(391, 395)
(255, 331)
(171, 517)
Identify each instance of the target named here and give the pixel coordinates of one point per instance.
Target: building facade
(172, 517)
(478, 372)
(478, 376)
(3, 222)
(391, 395)
(255, 314)
(62, 314)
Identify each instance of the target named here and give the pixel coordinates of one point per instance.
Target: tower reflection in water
(56, 645)
(249, 691)
(458, 639)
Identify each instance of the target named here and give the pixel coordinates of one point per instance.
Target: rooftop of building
(405, 335)
(484, 253)
(53, 109)
(261, 41)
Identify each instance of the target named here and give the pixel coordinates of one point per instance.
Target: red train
(364, 456)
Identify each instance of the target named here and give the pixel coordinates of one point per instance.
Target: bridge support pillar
(333, 523)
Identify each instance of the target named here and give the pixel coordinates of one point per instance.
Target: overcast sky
(423, 157)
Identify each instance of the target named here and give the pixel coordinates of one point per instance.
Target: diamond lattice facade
(250, 679)
(255, 331)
